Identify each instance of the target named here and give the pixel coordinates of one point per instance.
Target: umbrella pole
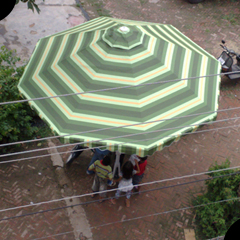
(117, 163)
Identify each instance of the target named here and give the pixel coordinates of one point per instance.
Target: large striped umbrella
(122, 69)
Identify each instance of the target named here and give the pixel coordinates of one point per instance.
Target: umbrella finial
(124, 29)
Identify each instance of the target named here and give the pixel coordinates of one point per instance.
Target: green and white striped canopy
(122, 69)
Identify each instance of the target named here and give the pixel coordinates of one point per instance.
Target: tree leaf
(30, 6)
(36, 7)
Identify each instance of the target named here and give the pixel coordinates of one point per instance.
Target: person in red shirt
(137, 178)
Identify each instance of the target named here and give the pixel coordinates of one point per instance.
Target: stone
(189, 234)
(75, 20)
(56, 158)
(61, 176)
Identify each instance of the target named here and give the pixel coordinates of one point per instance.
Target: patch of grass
(231, 95)
(44, 131)
(231, 18)
(100, 9)
(226, 88)
(218, 18)
(142, 2)
(188, 26)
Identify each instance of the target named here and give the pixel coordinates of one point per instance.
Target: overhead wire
(145, 122)
(64, 95)
(122, 126)
(108, 198)
(116, 137)
(111, 89)
(200, 131)
(51, 154)
(145, 216)
(142, 184)
(88, 142)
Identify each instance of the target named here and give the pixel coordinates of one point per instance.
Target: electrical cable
(112, 190)
(111, 128)
(127, 135)
(51, 154)
(145, 216)
(116, 137)
(93, 201)
(111, 89)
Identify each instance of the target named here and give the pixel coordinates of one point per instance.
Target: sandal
(113, 201)
(127, 201)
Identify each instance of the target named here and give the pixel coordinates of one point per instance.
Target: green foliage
(31, 4)
(15, 119)
(215, 219)
(99, 6)
(232, 18)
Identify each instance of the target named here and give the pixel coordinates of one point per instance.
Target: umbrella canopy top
(122, 69)
(123, 37)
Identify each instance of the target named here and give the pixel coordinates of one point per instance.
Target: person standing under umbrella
(98, 155)
(137, 178)
(125, 182)
(103, 173)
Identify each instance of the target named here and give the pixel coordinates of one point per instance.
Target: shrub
(15, 119)
(215, 219)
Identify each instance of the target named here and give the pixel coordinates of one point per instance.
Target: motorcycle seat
(235, 68)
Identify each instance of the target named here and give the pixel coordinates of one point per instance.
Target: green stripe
(186, 60)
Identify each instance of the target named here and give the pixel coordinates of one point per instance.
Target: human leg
(96, 184)
(137, 179)
(128, 195)
(102, 187)
(117, 195)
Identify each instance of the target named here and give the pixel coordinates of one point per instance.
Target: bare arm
(92, 169)
(118, 180)
(138, 169)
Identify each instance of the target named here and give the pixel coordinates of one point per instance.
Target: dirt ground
(26, 182)
(206, 23)
(191, 154)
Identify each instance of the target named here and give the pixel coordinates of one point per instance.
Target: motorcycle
(75, 153)
(226, 60)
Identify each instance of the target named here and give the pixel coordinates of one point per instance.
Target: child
(103, 172)
(125, 181)
(137, 178)
(98, 154)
